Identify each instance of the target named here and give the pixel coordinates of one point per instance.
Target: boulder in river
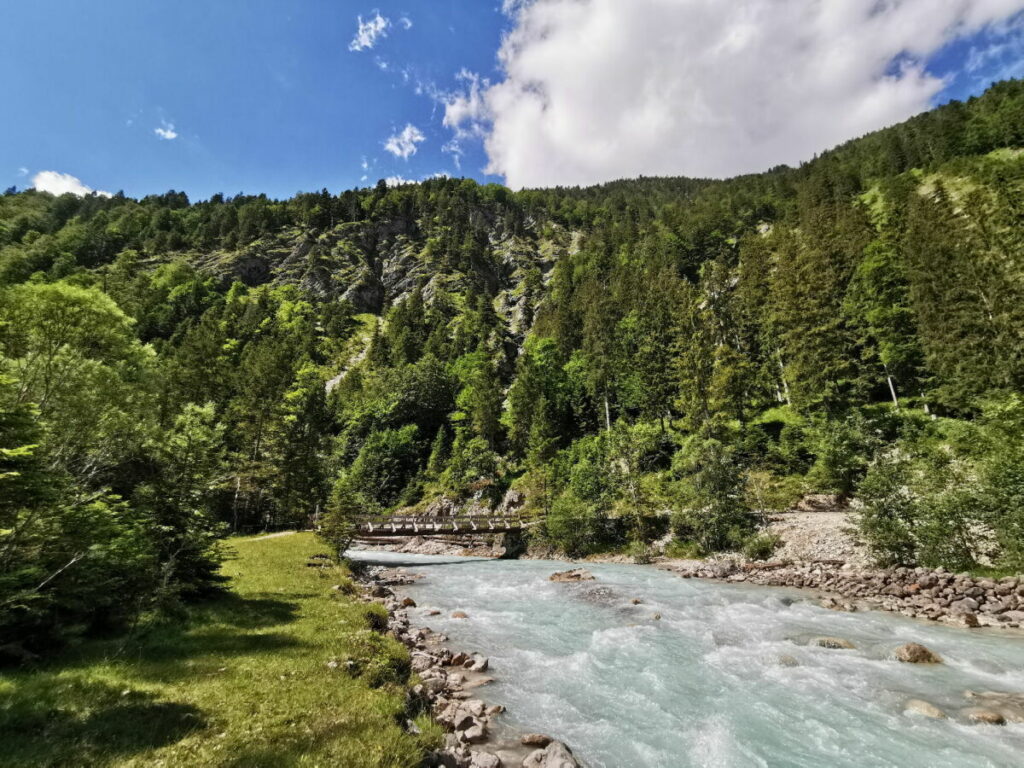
(1009, 705)
(983, 715)
(915, 653)
(460, 615)
(576, 574)
(924, 708)
(836, 643)
(484, 760)
(535, 740)
(554, 755)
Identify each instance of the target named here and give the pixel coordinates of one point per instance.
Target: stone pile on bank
(955, 598)
(447, 679)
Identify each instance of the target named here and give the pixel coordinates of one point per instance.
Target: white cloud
(406, 22)
(465, 110)
(369, 32)
(61, 183)
(454, 148)
(23, 171)
(601, 89)
(397, 181)
(403, 144)
(166, 131)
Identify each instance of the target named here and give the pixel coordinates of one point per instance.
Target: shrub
(578, 528)
(760, 546)
(714, 512)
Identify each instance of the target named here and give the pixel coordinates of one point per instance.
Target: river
(704, 686)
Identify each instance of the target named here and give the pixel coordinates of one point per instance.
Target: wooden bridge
(392, 526)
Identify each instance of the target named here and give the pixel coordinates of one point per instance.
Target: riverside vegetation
(635, 358)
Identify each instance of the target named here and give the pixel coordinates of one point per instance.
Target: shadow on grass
(61, 713)
(58, 722)
(247, 612)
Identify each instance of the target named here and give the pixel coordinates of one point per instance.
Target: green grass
(241, 680)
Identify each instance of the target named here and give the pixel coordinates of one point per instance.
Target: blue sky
(278, 96)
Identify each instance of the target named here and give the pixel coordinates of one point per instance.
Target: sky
(281, 96)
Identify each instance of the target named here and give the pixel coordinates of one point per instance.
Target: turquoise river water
(703, 686)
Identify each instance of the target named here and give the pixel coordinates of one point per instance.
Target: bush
(761, 546)
(641, 553)
(577, 527)
(684, 550)
(920, 510)
(712, 492)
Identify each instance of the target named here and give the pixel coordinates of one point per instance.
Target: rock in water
(484, 760)
(1009, 705)
(555, 755)
(832, 642)
(460, 615)
(987, 716)
(576, 574)
(924, 708)
(915, 653)
(535, 740)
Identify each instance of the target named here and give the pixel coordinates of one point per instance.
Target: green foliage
(624, 353)
(579, 528)
(712, 488)
(761, 546)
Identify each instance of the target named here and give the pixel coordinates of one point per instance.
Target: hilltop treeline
(637, 357)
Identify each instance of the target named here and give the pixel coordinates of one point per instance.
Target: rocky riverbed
(633, 666)
(953, 598)
(447, 680)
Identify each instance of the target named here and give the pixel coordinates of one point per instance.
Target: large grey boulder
(554, 755)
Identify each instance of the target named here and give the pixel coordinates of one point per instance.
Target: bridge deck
(436, 526)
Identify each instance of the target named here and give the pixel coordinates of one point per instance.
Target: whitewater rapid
(708, 684)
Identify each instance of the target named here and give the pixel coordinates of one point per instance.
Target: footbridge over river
(394, 526)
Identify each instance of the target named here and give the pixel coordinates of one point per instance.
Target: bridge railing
(392, 523)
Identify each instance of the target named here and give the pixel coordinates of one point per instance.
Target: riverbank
(936, 595)
(447, 680)
(258, 676)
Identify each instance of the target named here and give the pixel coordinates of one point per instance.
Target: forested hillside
(637, 357)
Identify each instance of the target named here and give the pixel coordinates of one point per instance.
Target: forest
(639, 358)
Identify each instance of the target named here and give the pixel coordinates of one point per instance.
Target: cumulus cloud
(397, 181)
(61, 183)
(369, 32)
(403, 144)
(600, 89)
(166, 131)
